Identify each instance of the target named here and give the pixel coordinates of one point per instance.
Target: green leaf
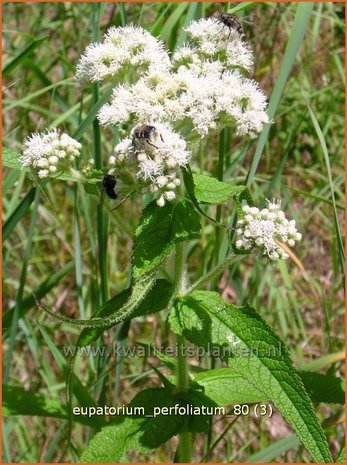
(210, 190)
(225, 386)
(138, 292)
(17, 401)
(147, 430)
(91, 188)
(160, 228)
(156, 300)
(342, 456)
(323, 388)
(185, 223)
(258, 355)
(138, 433)
(112, 442)
(11, 159)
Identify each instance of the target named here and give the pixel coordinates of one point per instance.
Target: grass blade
(11, 64)
(268, 454)
(321, 139)
(19, 296)
(301, 20)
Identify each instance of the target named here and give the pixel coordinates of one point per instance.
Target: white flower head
(264, 230)
(212, 39)
(212, 98)
(153, 97)
(123, 47)
(53, 151)
(122, 151)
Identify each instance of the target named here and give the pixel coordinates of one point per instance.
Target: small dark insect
(231, 22)
(109, 183)
(145, 134)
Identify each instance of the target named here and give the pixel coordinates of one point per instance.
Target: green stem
(211, 274)
(185, 447)
(182, 381)
(182, 371)
(220, 172)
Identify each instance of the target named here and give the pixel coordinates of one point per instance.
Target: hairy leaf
(209, 190)
(156, 300)
(225, 386)
(142, 434)
(138, 293)
(323, 388)
(146, 431)
(342, 456)
(160, 228)
(258, 355)
(10, 158)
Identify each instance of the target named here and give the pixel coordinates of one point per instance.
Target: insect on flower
(145, 134)
(109, 183)
(231, 22)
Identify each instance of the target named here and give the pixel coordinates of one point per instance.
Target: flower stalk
(182, 371)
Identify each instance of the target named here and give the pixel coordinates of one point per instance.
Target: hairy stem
(182, 372)
(220, 172)
(211, 274)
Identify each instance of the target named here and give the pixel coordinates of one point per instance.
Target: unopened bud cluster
(50, 152)
(262, 230)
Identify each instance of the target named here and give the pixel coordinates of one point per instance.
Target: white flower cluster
(212, 40)
(203, 86)
(50, 152)
(262, 229)
(122, 47)
(207, 100)
(157, 156)
(152, 98)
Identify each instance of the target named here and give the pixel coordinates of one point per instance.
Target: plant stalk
(182, 371)
(223, 138)
(182, 382)
(212, 274)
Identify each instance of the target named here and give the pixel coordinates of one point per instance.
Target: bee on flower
(158, 153)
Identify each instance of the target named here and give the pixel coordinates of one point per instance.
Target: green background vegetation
(53, 249)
